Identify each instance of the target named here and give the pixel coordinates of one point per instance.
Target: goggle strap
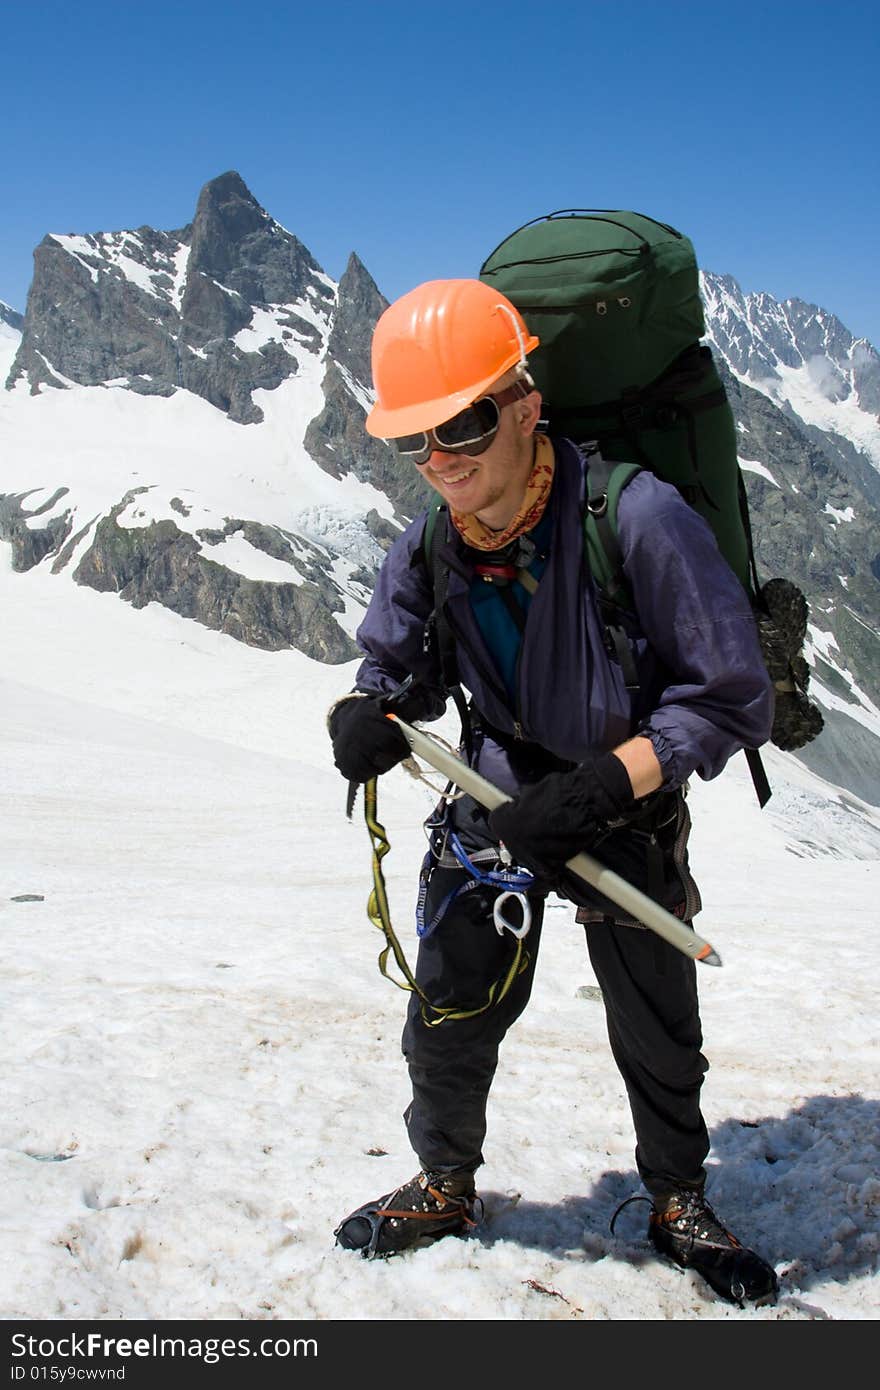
(515, 392)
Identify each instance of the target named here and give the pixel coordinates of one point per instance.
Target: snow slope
(202, 1066)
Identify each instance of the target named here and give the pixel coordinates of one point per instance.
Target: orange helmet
(437, 349)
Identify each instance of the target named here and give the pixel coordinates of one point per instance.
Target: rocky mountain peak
(227, 305)
(228, 201)
(360, 305)
(236, 242)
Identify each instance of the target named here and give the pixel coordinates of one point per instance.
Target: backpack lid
(614, 297)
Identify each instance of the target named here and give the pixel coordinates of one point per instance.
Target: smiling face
(492, 485)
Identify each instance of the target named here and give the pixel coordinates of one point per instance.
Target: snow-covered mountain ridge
(802, 358)
(183, 424)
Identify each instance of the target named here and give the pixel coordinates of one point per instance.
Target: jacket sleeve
(718, 697)
(392, 633)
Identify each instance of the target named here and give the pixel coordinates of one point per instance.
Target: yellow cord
(379, 914)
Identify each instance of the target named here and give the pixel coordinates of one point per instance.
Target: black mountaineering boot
(427, 1207)
(684, 1227)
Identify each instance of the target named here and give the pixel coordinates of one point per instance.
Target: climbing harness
(445, 849)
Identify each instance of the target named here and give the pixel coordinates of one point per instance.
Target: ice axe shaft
(631, 899)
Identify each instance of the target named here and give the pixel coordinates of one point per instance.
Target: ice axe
(631, 899)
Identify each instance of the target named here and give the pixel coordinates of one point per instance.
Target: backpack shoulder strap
(605, 482)
(435, 507)
(438, 632)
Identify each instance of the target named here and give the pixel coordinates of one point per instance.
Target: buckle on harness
(501, 923)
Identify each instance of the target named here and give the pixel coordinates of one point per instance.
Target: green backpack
(614, 297)
(615, 300)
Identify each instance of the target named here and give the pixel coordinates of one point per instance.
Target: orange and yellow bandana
(482, 537)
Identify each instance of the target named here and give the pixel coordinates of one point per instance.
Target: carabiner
(501, 923)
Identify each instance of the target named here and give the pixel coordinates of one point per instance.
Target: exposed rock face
(796, 521)
(336, 439)
(160, 562)
(31, 545)
(90, 318)
(11, 316)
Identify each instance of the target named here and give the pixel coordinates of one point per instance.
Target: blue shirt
(499, 630)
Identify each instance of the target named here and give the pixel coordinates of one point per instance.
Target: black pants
(650, 994)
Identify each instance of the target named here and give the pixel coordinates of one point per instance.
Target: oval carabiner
(501, 923)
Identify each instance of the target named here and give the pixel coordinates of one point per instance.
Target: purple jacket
(705, 692)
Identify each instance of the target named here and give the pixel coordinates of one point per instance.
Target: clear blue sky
(420, 135)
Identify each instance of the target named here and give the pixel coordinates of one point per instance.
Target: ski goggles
(471, 431)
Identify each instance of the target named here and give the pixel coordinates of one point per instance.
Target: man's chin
(464, 497)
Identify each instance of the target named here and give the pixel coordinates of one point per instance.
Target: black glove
(566, 812)
(365, 742)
